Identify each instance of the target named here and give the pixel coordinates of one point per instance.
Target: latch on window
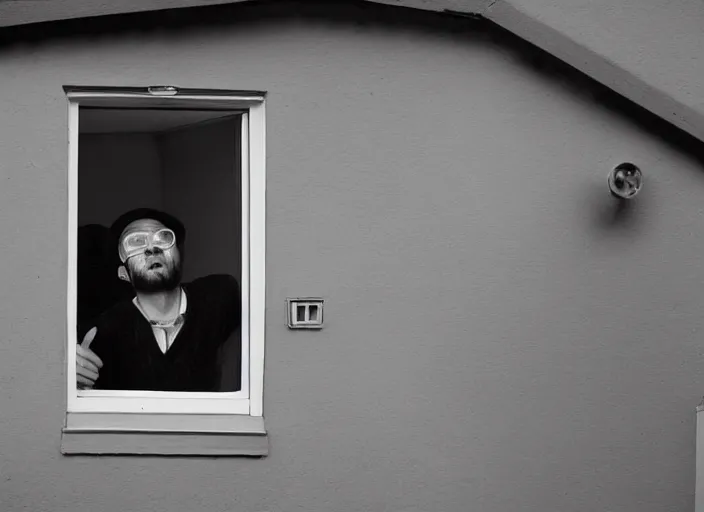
(305, 313)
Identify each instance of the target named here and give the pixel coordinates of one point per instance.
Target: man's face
(155, 269)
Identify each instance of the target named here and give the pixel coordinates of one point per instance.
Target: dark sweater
(132, 359)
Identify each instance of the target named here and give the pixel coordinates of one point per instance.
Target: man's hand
(88, 363)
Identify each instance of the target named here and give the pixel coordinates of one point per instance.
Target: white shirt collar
(181, 311)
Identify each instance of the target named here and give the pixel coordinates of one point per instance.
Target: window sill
(164, 434)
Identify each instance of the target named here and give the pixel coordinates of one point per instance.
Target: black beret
(167, 220)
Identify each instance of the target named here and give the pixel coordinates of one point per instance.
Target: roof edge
(606, 64)
(25, 12)
(628, 80)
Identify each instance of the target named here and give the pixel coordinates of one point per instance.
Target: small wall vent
(305, 313)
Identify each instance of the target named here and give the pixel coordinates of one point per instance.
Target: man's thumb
(88, 338)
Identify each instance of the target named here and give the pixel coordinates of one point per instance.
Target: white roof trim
(23, 12)
(650, 51)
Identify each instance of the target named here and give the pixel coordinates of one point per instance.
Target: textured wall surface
(500, 335)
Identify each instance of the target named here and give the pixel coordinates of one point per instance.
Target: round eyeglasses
(139, 241)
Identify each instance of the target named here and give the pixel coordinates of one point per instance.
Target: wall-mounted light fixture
(625, 180)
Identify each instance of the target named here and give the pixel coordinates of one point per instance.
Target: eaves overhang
(649, 51)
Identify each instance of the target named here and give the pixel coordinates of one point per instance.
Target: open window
(198, 156)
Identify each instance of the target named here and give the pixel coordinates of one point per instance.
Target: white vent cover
(305, 313)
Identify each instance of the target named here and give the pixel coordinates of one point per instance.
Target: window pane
(185, 163)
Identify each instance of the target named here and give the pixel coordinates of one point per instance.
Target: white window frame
(117, 412)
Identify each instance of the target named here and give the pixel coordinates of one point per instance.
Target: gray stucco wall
(499, 335)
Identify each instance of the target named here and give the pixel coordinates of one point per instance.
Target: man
(167, 337)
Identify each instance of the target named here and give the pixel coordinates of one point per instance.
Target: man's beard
(145, 281)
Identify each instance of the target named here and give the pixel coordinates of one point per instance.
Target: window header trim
(182, 91)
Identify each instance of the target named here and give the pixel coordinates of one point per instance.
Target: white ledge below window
(164, 434)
